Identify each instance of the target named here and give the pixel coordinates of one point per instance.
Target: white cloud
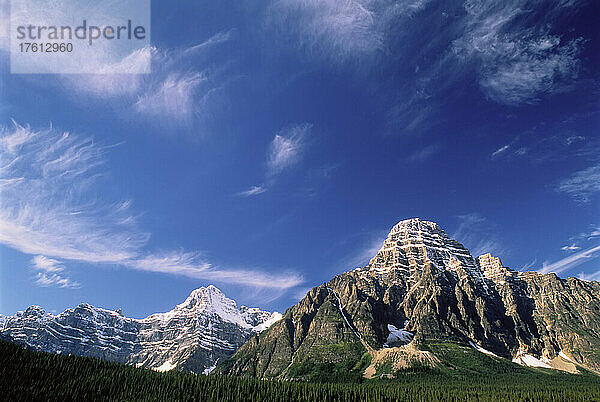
(591, 234)
(479, 235)
(103, 57)
(48, 205)
(50, 208)
(537, 145)
(300, 293)
(500, 150)
(47, 280)
(582, 184)
(364, 255)
(529, 265)
(424, 153)
(112, 85)
(216, 39)
(594, 233)
(589, 277)
(172, 98)
(286, 148)
(517, 64)
(47, 274)
(174, 94)
(46, 264)
(340, 30)
(254, 190)
(570, 261)
(516, 57)
(344, 28)
(193, 266)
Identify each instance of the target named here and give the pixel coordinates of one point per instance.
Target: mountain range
(203, 330)
(423, 301)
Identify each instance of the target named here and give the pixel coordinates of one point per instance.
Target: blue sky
(275, 143)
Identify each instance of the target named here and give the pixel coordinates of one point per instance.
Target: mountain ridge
(429, 285)
(194, 335)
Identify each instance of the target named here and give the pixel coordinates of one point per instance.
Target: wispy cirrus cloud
(193, 266)
(479, 235)
(570, 261)
(537, 145)
(427, 49)
(500, 151)
(177, 91)
(591, 234)
(172, 98)
(424, 153)
(49, 186)
(581, 185)
(341, 30)
(49, 206)
(595, 276)
(102, 57)
(518, 63)
(252, 191)
(329, 28)
(48, 276)
(362, 257)
(55, 280)
(581, 241)
(46, 264)
(286, 148)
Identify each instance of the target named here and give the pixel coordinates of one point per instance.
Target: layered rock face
(551, 315)
(424, 287)
(203, 330)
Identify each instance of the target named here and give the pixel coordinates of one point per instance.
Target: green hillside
(28, 375)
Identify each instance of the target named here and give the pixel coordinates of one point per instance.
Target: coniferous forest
(39, 376)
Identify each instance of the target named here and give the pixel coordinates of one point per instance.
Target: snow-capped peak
(210, 300)
(206, 327)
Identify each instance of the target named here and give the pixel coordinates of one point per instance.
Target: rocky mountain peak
(425, 289)
(211, 301)
(493, 269)
(415, 225)
(204, 296)
(34, 311)
(413, 244)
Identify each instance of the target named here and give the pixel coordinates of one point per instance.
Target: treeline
(38, 376)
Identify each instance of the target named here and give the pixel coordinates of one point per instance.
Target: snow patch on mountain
(276, 316)
(398, 335)
(526, 359)
(480, 349)
(208, 370)
(166, 366)
(564, 356)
